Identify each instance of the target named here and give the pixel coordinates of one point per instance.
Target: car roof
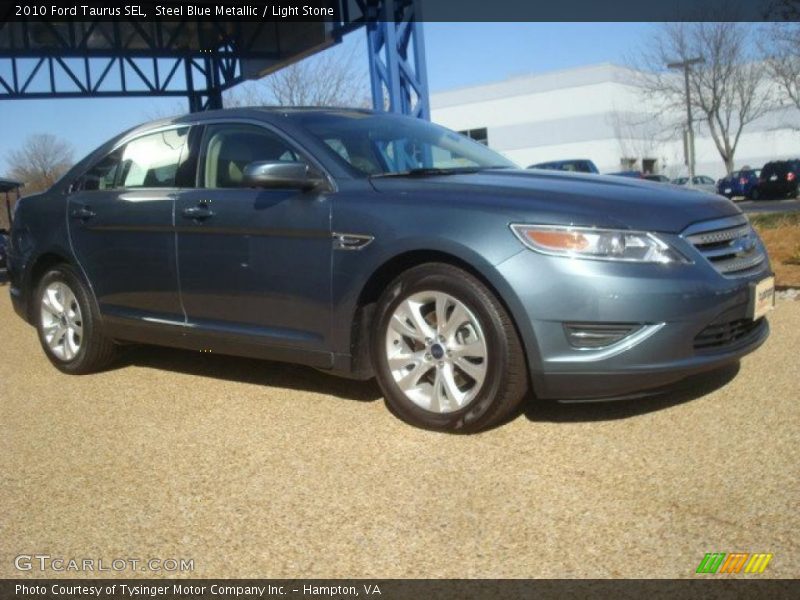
(269, 112)
(266, 113)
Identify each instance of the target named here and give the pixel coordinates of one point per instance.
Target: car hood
(560, 198)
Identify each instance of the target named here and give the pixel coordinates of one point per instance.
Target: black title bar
(426, 10)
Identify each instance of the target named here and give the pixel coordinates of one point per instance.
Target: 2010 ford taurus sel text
(367, 244)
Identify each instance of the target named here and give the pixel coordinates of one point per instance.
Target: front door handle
(201, 212)
(83, 213)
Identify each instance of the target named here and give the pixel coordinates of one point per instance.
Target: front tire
(446, 354)
(68, 324)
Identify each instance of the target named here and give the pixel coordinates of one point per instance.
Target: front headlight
(598, 244)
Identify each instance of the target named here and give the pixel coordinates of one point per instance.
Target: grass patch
(781, 236)
(775, 220)
(794, 258)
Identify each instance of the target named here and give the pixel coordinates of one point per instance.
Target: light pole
(686, 65)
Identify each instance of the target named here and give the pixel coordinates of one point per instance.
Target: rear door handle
(199, 213)
(83, 213)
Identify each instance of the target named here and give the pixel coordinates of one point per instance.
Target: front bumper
(673, 304)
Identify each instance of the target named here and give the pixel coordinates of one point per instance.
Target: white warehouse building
(597, 112)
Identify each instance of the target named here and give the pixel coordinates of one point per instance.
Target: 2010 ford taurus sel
(367, 244)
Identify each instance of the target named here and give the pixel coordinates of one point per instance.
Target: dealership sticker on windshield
(763, 297)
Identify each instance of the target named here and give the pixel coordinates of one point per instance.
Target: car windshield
(381, 145)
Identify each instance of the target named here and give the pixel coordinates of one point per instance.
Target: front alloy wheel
(445, 351)
(436, 350)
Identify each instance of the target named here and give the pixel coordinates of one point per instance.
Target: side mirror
(282, 175)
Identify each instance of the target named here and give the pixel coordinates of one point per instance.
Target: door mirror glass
(280, 174)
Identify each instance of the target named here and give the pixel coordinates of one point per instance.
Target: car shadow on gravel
(300, 378)
(247, 370)
(689, 389)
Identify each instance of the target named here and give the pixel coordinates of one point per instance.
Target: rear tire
(69, 325)
(446, 353)
(755, 195)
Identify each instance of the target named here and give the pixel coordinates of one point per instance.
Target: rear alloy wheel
(68, 324)
(62, 321)
(446, 353)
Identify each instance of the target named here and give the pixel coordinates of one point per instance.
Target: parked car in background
(370, 244)
(577, 165)
(654, 177)
(779, 179)
(742, 183)
(699, 182)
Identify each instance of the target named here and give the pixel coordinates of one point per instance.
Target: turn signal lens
(558, 240)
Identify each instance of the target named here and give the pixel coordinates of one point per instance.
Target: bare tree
(781, 48)
(728, 91)
(331, 78)
(40, 161)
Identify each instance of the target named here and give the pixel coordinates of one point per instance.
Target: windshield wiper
(429, 172)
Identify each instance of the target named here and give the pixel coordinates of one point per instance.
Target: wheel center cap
(437, 351)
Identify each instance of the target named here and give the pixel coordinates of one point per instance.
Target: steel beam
(202, 79)
(200, 60)
(396, 53)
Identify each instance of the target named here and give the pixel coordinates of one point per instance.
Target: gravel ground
(257, 469)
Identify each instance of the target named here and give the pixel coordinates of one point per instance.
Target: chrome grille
(733, 249)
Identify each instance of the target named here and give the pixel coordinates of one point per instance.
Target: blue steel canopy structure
(201, 59)
(396, 51)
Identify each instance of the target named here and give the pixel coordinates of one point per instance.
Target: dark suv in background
(742, 183)
(778, 179)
